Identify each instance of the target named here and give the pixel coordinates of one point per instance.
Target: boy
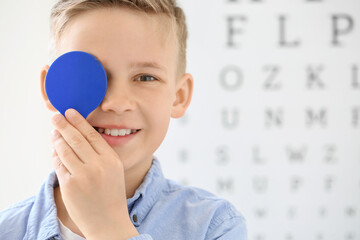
(107, 184)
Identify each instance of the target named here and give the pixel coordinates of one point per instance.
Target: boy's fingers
(94, 138)
(53, 152)
(60, 169)
(65, 154)
(74, 139)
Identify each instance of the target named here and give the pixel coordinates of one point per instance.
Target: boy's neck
(135, 176)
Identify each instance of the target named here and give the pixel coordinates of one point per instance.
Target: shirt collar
(43, 223)
(147, 193)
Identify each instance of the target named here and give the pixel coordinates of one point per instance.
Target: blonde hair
(65, 10)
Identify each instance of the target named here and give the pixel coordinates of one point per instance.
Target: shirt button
(135, 218)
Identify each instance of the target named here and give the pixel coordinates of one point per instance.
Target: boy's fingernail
(57, 117)
(70, 112)
(54, 133)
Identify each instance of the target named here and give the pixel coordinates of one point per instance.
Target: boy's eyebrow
(141, 65)
(148, 65)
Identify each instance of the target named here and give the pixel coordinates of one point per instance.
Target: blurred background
(274, 125)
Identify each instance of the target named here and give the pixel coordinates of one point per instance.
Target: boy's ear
(184, 90)
(44, 71)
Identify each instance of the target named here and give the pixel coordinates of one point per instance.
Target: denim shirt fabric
(160, 209)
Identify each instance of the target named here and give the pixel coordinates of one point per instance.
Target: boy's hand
(91, 179)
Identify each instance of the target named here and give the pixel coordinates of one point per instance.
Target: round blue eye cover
(76, 80)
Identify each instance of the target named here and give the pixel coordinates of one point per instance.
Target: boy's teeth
(116, 132)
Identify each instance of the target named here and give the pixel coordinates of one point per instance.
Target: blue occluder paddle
(76, 80)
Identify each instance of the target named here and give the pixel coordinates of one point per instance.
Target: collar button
(135, 218)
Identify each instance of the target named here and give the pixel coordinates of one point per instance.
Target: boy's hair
(64, 10)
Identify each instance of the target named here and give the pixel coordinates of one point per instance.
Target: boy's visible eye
(145, 78)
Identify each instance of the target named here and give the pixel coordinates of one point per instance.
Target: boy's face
(139, 55)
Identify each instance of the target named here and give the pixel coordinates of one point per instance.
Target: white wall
(294, 179)
(25, 158)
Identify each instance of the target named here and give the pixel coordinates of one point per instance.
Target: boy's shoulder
(199, 198)
(14, 219)
(190, 212)
(32, 218)
(166, 194)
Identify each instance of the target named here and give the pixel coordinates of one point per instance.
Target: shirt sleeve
(142, 237)
(229, 225)
(231, 229)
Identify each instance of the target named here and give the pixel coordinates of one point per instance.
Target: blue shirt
(159, 209)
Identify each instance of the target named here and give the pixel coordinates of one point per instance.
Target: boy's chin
(130, 161)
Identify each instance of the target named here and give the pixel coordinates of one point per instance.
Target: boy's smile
(140, 55)
(116, 136)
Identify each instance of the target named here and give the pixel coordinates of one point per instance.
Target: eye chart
(274, 124)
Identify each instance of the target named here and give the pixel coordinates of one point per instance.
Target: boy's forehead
(122, 31)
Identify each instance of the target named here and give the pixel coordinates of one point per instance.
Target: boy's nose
(118, 100)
